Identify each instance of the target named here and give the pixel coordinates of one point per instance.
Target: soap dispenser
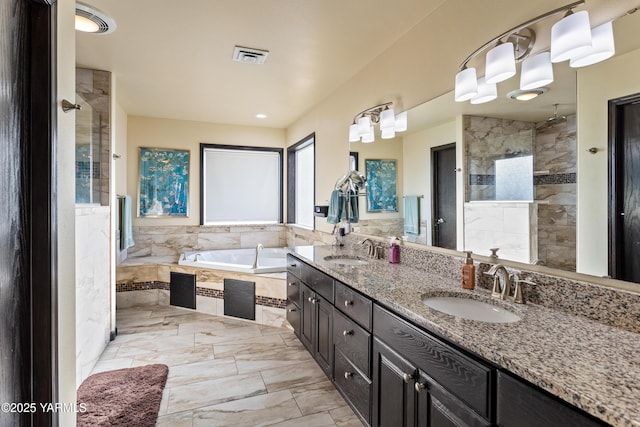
(468, 273)
(394, 250)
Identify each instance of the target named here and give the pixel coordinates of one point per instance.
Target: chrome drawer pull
(292, 310)
(346, 333)
(292, 283)
(348, 303)
(348, 375)
(419, 386)
(407, 377)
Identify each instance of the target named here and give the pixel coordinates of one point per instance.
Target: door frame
(615, 170)
(435, 237)
(39, 158)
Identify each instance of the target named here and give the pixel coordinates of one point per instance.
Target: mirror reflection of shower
(88, 149)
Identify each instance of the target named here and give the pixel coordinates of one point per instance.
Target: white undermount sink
(346, 260)
(471, 309)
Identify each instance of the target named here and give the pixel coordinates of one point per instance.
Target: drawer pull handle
(312, 300)
(419, 387)
(292, 265)
(347, 333)
(407, 377)
(348, 375)
(292, 310)
(292, 283)
(348, 303)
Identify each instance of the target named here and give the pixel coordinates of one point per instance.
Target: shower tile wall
(487, 139)
(555, 166)
(94, 86)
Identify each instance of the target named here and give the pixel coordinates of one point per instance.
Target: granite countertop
(590, 365)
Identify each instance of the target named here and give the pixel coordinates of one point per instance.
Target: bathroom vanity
(399, 362)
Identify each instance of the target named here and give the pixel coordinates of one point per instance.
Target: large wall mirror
(509, 174)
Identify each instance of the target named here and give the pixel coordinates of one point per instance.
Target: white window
(301, 176)
(240, 185)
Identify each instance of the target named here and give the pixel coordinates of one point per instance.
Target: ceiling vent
(250, 55)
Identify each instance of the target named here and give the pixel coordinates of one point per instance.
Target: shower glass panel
(88, 152)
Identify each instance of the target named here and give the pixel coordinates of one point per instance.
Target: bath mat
(124, 397)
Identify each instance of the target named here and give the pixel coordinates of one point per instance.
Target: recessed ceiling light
(526, 95)
(92, 20)
(261, 116)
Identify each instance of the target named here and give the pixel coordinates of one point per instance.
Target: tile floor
(226, 372)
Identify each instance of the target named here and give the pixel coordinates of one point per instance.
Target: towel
(353, 206)
(126, 231)
(411, 215)
(336, 208)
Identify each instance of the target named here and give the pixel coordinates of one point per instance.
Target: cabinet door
(323, 334)
(523, 405)
(307, 316)
(439, 408)
(394, 397)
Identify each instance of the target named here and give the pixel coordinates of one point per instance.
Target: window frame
(291, 177)
(205, 146)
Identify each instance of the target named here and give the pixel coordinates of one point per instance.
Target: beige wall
(66, 81)
(598, 84)
(186, 135)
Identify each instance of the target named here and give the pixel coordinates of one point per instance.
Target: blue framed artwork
(164, 182)
(381, 185)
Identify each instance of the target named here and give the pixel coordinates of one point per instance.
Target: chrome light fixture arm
(515, 31)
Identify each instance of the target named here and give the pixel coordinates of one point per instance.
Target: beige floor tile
(220, 369)
(255, 411)
(180, 356)
(319, 397)
(201, 371)
(322, 419)
(206, 393)
(286, 377)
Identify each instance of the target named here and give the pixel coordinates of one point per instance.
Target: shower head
(553, 120)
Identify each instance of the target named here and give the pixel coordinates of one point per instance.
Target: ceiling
(173, 59)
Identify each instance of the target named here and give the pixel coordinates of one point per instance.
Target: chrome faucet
(195, 257)
(502, 282)
(369, 243)
(259, 247)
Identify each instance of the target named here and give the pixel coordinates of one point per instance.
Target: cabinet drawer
(523, 405)
(293, 265)
(354, 387)
(318, 281)
(293, 317)
(293, 288)
(354, 305)
(464, 377)
(353, 341)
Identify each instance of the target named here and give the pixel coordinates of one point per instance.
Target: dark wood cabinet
(394, 396)
(310, 310)
(315, 326)
(395, 374)
(521, 404)
(419, 380)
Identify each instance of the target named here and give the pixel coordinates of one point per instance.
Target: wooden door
(444, 196)
(624, 188)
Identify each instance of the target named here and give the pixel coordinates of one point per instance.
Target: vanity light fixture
(91, 20)
(362, 127)
(571, 39)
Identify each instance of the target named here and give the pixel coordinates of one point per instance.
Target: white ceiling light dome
(92, 20)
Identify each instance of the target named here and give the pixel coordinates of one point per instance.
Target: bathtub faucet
(255, 260)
